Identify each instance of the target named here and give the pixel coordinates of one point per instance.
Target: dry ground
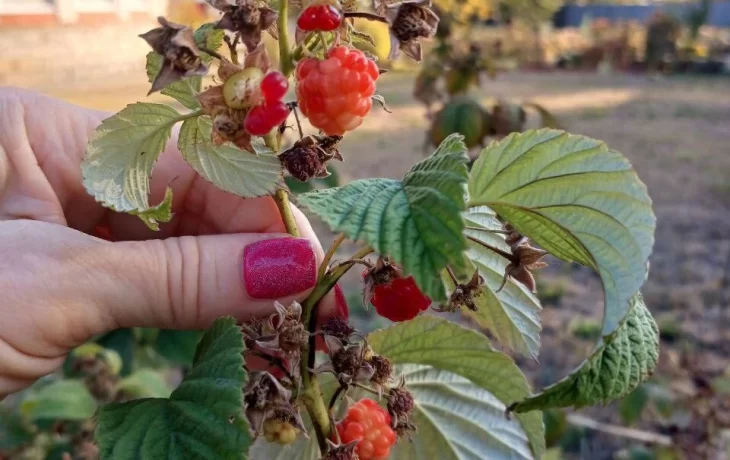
(675, 131)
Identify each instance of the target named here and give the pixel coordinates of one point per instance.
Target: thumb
(188, 282)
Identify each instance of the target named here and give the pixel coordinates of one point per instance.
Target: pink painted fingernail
(278, 268)
(341, 309)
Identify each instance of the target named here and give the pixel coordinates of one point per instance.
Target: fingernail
(278, 268)
(341, 309)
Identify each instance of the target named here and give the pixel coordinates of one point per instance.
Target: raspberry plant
(456, 240)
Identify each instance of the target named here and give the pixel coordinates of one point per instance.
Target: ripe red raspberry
(368, 422)
(335, 93)
(399, 300)
(261, 119)
(320, 17)
(274, 86)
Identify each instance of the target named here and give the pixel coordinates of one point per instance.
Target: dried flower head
(338, 327)
(525, 260)
(410, 20)
(266, 399)
(308, 158)
(227, 123)
(382, 370)
(247, 19)
(180, 55)
(400, 408)
(347, 362)
(464, 294)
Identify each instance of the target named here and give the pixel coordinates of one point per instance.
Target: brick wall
(74, 57)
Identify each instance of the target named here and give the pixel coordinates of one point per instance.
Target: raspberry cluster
(369, 424)
(272, 112)
(335, 93)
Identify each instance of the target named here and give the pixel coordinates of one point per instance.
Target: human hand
(220, 255)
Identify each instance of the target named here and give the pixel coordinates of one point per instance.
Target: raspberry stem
(287, 66)
(330, 253)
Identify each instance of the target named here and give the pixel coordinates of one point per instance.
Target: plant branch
(363, 15)
(311, 394)
(620, 431)
(481, 229)
(511, 257)
(452, 275)
(281, 197)
(232, 48)
(333, 400)
(215, 54)
(287, 66)
(330, 253)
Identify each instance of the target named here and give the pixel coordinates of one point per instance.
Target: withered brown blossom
(410, 20)
(180, 55)
(227, 122)
(464, 294)
(280, 334)
(400, 408)
(308, 157)
(246, 18)
(347, 362)
(526, 260)
(265, 399)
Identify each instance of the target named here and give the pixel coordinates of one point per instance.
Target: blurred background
(651, 79)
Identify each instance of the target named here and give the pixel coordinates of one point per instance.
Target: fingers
(188, 282)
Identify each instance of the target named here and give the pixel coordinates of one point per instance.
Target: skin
(61, 286)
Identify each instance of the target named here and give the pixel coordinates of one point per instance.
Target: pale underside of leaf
(458, 420)
(121, 153)
(246, 174)
(433, 341)
(620, 362)
(577, 199)
(512, 314)
(399, 218)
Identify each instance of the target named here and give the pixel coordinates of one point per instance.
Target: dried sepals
(526, 260)
(180, 55)
(308, 157)
(400, 408)
(247, 19)
(383, 272)
(338, 327)
(341, 451)
(266, 399)
(347, 362)
(227, 122)
(464, 294)
(410, 20)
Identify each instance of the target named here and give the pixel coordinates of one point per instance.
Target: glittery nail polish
(341, 309)
(278, 268)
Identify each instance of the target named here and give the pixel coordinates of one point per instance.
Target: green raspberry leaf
(245, 174)
(186, 90)
(119, 159)
(436, 342)
(15, 430)
(399, 218)
(201, 419)
(458, 420)
(620, 362)
(60, 400)
(512, 313)
(577, 199)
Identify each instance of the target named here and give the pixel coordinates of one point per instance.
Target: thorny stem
(334, 399)
(368, 16)
(366, 388)
(311, 394)
(511, 257)
(330, 253)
